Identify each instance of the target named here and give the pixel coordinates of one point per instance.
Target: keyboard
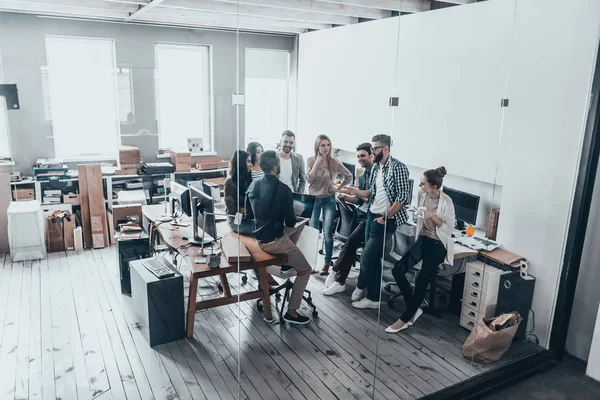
(158, 269)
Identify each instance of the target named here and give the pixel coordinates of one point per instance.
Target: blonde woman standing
(322, 170)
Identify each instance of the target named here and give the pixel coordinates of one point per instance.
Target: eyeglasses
(376, 148)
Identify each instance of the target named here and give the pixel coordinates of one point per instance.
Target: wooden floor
(68, 333)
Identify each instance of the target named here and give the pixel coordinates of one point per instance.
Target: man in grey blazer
(292, 171)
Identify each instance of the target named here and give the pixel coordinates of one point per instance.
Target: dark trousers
(376, 235)
(347, 256)
(432, 252)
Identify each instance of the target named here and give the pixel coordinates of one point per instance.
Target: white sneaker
(365, 303)
(357, 294)
(333, 289)
(330, 279)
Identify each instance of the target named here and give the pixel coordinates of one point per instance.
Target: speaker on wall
(516, 294)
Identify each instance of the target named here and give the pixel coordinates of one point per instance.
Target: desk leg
(191, 310)
(225, 284)
(264, 284)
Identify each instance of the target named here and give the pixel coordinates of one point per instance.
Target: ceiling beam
(57, 9)
(460, 2)
(233, 19)
(410, 6)
(144, 9)
(260, 11)
(195, 23)
(318, 7)
(91, 4)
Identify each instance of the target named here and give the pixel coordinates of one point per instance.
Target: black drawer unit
(129, 250)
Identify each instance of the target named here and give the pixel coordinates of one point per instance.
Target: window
(4, 132)
(183, 95)
(266, 100)
(124, 80)
(84, 103)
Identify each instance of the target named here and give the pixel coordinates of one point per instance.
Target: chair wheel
(315, 314)
(277, 296)
(388, 288)
(244, 279)
(259, 307)
(220, 287)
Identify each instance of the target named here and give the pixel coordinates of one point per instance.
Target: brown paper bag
(485, 343)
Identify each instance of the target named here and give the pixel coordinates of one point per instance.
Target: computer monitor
(466, 206)
(351, 168)
(303, 205)
(203, 216)
(180, 197)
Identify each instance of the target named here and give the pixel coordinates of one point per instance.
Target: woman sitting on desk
(433, 245)
(235, 189)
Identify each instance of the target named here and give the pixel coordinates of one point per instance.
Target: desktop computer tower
(516, 294)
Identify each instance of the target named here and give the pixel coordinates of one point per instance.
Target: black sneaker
(299, 320)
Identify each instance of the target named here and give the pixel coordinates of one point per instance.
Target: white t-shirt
(285, 176)
(381, 203)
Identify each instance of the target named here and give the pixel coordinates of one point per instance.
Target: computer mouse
(453, 235)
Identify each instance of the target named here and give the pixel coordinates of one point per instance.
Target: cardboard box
(23, 194)
(181, 161)
(123, 212)
(129, 155)
(205, 166)
(71, 198)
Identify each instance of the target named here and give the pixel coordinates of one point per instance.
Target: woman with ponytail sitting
(433, 246)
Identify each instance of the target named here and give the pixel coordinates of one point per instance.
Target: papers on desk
(476, 243)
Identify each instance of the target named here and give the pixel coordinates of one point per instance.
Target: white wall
(454, 66)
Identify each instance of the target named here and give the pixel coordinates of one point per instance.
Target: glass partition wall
(388, 193)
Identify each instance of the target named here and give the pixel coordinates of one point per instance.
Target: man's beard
(286, 149)
(378, 157)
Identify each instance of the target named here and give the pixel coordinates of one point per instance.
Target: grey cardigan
(298, 173)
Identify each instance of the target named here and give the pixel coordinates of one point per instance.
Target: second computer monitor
(180, 196)
(203, 214)
(466, 206)
(352, 169)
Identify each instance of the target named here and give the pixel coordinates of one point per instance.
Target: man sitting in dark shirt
(270, 203)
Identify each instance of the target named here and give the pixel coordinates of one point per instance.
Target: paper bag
(489, 341)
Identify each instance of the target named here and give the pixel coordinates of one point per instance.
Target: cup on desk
(470, 230)
(421, 212)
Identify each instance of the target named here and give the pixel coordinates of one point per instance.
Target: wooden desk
(172, 235)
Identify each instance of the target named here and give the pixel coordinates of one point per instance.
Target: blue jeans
(245, 227)
(327, 204)
(370, 261)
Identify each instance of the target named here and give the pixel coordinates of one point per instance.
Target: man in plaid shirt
(389, 193)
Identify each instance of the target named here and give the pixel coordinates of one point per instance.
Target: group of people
(260, 191)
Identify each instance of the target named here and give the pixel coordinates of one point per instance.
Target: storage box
(23, 194)
(71, 199)
(181, 161)
(205, 166)
(123, 212)
(129, 155)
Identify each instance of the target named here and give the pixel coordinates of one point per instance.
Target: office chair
(285, 272)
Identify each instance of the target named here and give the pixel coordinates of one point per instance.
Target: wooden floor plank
(65, 322)
(48, 373)
(158, 378)
(64, 368)
(22, 372)
(10, 339)
(35, 334)
(305, 349)
(131, 370)
(76, 336)
(98, 355)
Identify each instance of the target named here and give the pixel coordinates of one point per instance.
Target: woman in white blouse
(433, 245)
(255, 149)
